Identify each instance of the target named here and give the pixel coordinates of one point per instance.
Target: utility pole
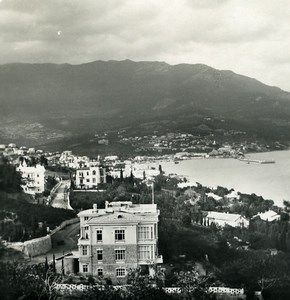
(152, 192)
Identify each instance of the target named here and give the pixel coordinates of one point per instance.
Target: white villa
(89, 177)
(269, 216)
(222, 219)
(33, 178)
(120, 237)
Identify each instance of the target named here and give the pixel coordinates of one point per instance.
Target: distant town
(108, 221)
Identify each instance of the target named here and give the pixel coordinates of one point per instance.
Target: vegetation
(10, 179)
(126, 189)
(19, 220)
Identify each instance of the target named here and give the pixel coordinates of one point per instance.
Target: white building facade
(90, 177)
(222, 219)
(33, 178)
(120, 237)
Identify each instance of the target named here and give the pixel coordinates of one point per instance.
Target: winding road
(61, 196)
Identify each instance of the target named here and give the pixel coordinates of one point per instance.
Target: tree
(255, 270)
(193, 286)
(10, 179)
(142, 286)
(22, 281)
(43, 161)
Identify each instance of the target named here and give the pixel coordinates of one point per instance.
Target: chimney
(95, 208)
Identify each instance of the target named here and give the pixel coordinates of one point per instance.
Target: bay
(271, 181)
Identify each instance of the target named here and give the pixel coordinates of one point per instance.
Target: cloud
(250, 37)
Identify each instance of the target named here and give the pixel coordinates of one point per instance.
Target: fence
(70, 289)
(225, 290)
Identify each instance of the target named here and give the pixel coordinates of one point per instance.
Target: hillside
(43, 103)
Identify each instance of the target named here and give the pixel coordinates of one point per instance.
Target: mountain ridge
(70, 99)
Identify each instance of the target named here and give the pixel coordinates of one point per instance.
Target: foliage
(10, 179)
(128, 189)
(50, 182)
(24, 281)
(140, 287)
(19, 219)
(255, 270)
(193, 286)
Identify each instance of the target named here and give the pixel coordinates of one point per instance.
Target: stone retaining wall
(37, 246)
(40, 245)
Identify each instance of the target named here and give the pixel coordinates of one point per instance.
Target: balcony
(158, 260)
(84, 241)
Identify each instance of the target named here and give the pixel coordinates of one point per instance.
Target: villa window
(86, 218)
(86, 233)
(84, 250)
(99, 234)
(85, 268)
(145, 233)
(99, 254)
(94, 172)
(120, 254)
(100, 272)
(120, 235)
(145, 252)
(121, 272)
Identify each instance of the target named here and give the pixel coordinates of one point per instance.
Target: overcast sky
(250, 37)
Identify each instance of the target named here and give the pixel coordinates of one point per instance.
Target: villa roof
(269, 215)
(119, 218)
(223, 216)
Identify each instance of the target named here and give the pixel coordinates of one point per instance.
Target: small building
(186, 184)
(269, 216)
(233, 195)
(120, 237)
(222, 219)
(31, 151)
(33, 178)
(214, 196)
(90, 177)
(103, 142)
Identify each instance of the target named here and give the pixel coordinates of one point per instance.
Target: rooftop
(223, 216)
(124, 210)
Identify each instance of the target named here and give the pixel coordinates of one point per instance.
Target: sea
(271, 181)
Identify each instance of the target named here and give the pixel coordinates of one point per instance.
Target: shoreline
(267, 180)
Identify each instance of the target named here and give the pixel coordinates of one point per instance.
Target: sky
(250, 37)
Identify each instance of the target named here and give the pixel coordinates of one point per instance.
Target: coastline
(271, 181)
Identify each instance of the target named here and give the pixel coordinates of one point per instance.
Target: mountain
(41, 103)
